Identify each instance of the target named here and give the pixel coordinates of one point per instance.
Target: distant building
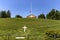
(31, 14)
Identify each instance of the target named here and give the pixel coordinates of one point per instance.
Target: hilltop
(35, 27)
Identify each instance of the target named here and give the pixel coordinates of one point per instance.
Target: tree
(53, 14)
(3, 14)
(57, 15)
(18, 16)
(8, 14)
(41, 16)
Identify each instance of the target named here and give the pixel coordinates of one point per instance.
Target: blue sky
(22, 7)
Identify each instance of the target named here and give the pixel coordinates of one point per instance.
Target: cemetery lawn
(10, 28)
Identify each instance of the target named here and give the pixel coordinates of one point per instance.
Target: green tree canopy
(3, 14)
(8, 14)
(18, 16)
(41, 16)
(53, 14)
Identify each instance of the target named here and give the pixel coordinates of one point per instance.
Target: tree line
(53, 14)
(5, 14)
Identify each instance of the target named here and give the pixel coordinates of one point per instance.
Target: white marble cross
(24, 28)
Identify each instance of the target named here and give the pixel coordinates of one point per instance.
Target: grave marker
(20, 37)
(24, 28)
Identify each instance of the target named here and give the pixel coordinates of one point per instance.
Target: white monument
(20, 37)
(24, 28)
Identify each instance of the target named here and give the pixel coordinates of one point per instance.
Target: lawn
(10, 28)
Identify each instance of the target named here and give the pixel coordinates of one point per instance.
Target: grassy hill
(36, 28)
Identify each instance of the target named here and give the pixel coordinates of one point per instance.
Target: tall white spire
(31, 8)
(31, 14)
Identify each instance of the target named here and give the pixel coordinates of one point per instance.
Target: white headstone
(20, 37)
(24, 28)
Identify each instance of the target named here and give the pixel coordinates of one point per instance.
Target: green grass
(36, 28)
